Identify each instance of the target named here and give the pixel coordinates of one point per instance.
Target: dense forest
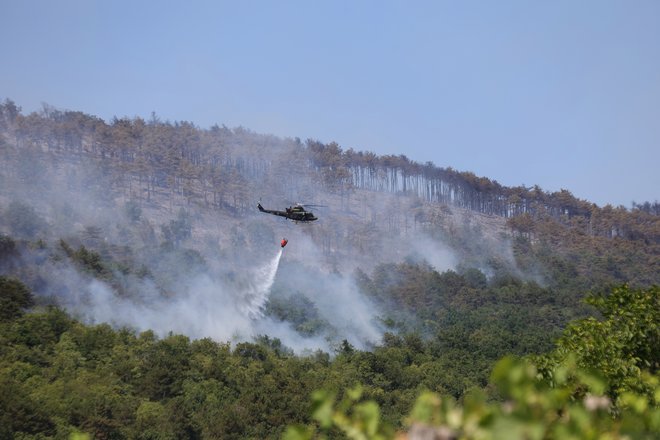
(140, 298)
(60, 377)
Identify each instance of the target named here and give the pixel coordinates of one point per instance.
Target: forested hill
(377, 204)
(148, 206)
(161, 305)
(208, 164)
(228, 170)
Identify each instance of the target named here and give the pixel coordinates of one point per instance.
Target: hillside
(419, 276)
(158, 199)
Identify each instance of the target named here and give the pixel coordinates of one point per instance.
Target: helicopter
(297, 213)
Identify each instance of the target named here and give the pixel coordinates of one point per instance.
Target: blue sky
(563, 94)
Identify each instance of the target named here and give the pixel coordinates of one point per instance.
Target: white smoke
(338, 301)
(205, 308)
(438, 255)
(227, 295)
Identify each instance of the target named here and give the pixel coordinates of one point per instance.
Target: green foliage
(89, 261)
(574, 406)
(578, 253)
(298, 310)
(600, 382)
(356, 418)
(71, 378)
(59, 378)
(635, 314)
(14, 298)
(7, 248)
(152, 422)
(66, 378)
(467, 321)
(621, 345)
(19, 412)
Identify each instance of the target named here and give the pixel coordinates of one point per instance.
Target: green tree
(14, 298)
(8, 248)
(574, 406)
(19, 413)
(621, 345)
(153, 422)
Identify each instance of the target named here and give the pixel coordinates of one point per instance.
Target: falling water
(258, 290)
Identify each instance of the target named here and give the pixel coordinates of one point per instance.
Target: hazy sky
(563, 94)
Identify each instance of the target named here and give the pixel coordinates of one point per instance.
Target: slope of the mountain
(414, 277)
(154, 217)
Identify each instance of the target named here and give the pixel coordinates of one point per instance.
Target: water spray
(258, 291)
